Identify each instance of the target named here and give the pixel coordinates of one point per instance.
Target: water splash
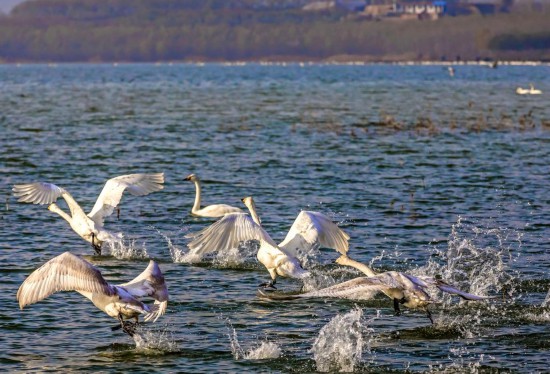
(177, 254)
(259, 351)
(473, 264)
(158, 340)
(235, 257)
(340, 343)
(322, 277)
(546, 301)
(126, 250)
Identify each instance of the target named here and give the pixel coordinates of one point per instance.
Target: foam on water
(461, 361)
(341, 342)
(126, 250)
(258, 351)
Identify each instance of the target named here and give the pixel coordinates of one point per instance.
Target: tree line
(215, 30)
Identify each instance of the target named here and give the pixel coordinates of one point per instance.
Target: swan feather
(313, 230)
(37, 193)
(65, 272)
(135, 184)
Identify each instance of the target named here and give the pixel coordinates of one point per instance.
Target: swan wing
(455, 291)
(150, 283)
(136, 184)
(227, 233)
(362, 288)
(37, 193)
(425, 282)
(314, 229)
(65, 272)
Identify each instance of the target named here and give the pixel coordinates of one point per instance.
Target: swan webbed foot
(129, 328)
(97, 249)
(270, 284)
(126, 326)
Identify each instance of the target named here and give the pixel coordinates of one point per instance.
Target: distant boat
(528, 91)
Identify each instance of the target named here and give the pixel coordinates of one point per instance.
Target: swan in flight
(405, 289)
(210, 211)
(528, 91)
(90, 226)
(68, 272)
(309, 230)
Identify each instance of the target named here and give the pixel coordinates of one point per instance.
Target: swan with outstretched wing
(68, 272)
(90, 226)
(309, 230)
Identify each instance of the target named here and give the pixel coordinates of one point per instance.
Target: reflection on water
(428, 174)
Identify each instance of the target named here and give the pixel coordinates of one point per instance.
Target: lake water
(428, 173)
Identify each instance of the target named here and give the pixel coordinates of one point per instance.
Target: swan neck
(197, 204)
(252, 209)
(72, 204)
(56, 209)
(359, 266)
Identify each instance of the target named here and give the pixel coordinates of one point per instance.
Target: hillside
(214, 30)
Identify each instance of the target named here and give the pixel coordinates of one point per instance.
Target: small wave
(462, 361)
(121, 250)
(340, 343)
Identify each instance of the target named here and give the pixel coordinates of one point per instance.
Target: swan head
(249, 203)
(192, 178)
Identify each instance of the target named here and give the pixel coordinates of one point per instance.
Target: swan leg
(396, 307)
(97, 247)
(270, 284)
(430, 315)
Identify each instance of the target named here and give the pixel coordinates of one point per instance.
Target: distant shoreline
(289, 62)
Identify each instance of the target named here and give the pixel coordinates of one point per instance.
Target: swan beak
(242, 199)
(187, 178)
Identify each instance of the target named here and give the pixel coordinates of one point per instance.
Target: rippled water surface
(428, 173)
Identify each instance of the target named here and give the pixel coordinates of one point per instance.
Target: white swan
(405, 289)
(528, 91)
(309, 230)
(210, 211)
(90, 227)
(68, 272)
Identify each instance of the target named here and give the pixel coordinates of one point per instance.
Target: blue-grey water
(428, 173)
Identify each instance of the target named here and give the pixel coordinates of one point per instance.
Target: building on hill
(421, 10)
